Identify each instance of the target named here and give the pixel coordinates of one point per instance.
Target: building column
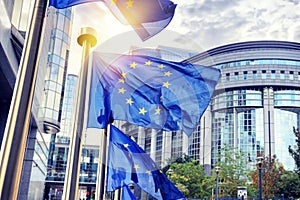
(141, 137)
(185, 143)
(153, 144)
(206, 139)
(166, 148)
(236, 135)
(268, 104)
(27, 164)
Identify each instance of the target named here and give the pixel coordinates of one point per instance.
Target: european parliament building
(256, 102)
(254, 108)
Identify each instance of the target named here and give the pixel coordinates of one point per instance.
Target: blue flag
(127, 194)
(149, 92)
(147, 17)
(129, 164)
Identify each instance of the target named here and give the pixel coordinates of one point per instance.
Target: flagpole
(87, 40)
(18, 122)
(101, 178)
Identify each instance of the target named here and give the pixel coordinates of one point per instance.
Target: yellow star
(148, 172)
(157, 111)
(142, 111)
(168, 73)
(121, 80)
(122, 90)
(166, 84)
(133, 65)
(129, 3)
(123, 74)
(126, 145)
(161, 66)
(113, 1)
(148, 63)
(136, 166)
(129, 101)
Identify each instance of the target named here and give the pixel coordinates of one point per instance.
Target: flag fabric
(129, 164)
(149, 92)
(59, 4)
(127, 194)
(147, 17)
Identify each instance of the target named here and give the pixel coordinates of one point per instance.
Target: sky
(198, 25)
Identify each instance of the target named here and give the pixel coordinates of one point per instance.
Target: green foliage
(233, 171)
(295, 153)
(272, 170)
(289, 185)
(190, 179)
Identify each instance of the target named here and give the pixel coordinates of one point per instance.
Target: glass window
(50, 99)
(54, 72)
(60, 22)
(282, 74)
(245, 75)
(67, 26)
(236, 76)
(57, 46)
(291, 75)
(227, 76)
(273, 74)
(60, 75)
(48, 113)
(52, 85)
(55, 59)
(254, 73)
(263, 74)
(57, 102)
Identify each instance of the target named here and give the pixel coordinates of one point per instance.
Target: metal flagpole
(87, 40)
(101, 178)
(18, 122)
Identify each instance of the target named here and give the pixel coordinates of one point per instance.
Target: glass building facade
(59, 151)
(55, 43)
(56, 69)
(254, 108)
(256, 102)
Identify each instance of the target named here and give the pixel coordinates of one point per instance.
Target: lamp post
(170, 172)
(217, 182)
(259, 166)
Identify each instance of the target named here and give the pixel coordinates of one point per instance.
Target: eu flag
(149, 92)
(127, 194)
(129, 164)
(147, 17)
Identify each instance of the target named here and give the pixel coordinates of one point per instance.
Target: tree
(190, 179)
(271, 173)
(233, 171)
(289, 185)
(295, 153)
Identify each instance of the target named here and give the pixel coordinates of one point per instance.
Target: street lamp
(259, 166)
(170, 172)
(217, 182)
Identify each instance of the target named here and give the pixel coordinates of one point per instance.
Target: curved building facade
(256, 103)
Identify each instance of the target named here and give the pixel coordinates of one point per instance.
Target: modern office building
(254, 108)
(256, 102)
(49, 89)
(59, 143)
(59, 150)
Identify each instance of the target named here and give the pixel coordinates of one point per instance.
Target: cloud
(214, 23)
(209, 23)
